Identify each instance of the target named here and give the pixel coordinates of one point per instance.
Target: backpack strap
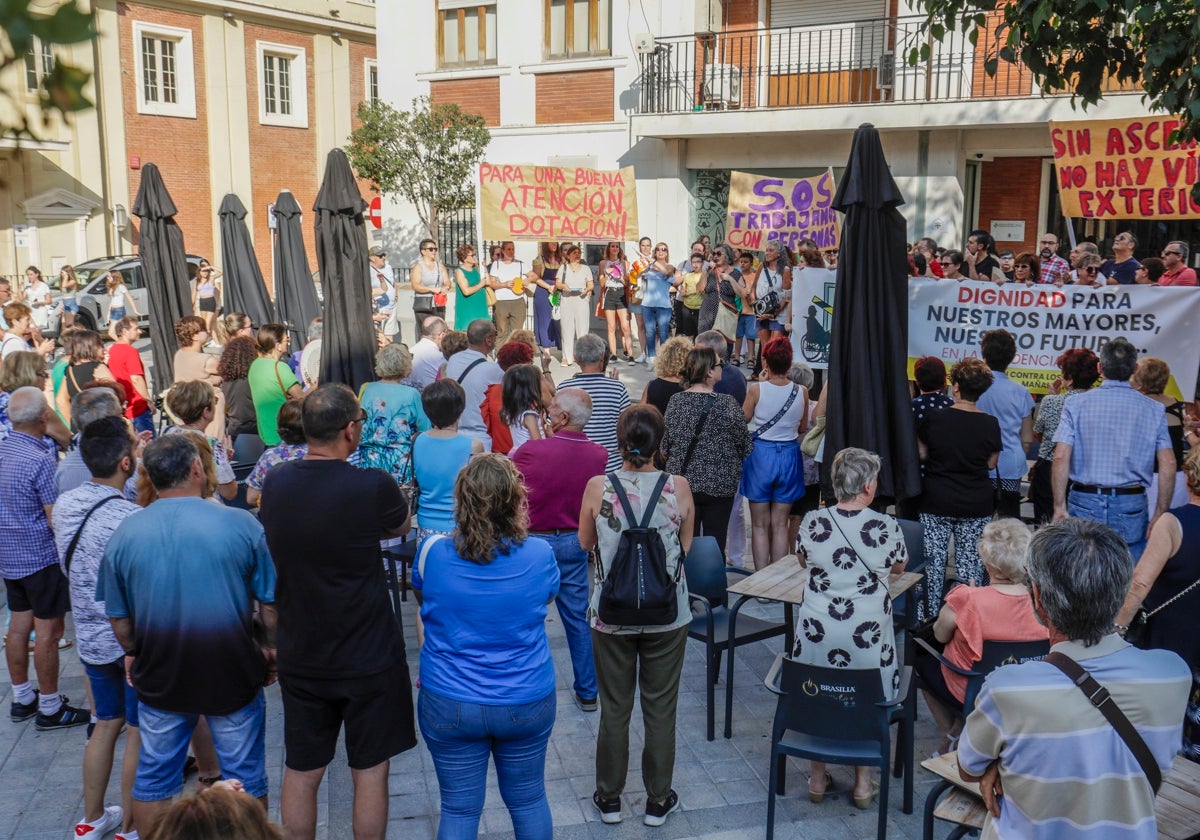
(655, 495)
(1099, 697)
(623, 499)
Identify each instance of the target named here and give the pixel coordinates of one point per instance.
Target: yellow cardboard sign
(763, 208)
(573, 203)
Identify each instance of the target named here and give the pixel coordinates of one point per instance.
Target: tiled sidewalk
(721, 784)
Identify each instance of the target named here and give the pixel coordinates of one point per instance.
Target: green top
(265, 377)
(468, 308)
(57, 374)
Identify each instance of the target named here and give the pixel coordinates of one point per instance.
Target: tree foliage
(1082, 47)
(61, 90)
(425, 154)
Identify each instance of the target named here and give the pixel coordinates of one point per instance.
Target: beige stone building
(242, 96)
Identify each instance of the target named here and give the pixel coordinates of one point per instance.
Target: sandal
(862, 803)
(816, 797)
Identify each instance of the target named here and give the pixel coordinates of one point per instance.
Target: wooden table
(1176, 808)
(785, 581)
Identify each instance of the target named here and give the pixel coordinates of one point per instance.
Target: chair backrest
(997, 654)
(832, 702)
(704, 568)
(247, 448)
(914, 541)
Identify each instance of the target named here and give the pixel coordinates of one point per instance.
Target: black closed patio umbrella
(164, 269)
(868, 402)
(348, 345)
(295, 293)
(243, 288)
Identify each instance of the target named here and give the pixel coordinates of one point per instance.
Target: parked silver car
(93, 294)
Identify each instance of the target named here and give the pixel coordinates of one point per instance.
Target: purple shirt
(557, 470)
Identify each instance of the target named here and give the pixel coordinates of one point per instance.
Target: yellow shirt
(692, 296)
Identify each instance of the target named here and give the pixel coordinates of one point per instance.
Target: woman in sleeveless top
(1151, 377)
(206, 294)
(614, 275)
(87, 364)
(773, 474)
(545, 269)
(649, 656)
(470, 299)
(430, 283)
(1161, 580)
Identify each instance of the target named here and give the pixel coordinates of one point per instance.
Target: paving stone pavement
(721, 784)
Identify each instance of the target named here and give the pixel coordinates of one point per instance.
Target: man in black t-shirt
(979, 262)
(341, 650)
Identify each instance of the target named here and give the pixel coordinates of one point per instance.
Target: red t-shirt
(1183, 276)
(125, 363)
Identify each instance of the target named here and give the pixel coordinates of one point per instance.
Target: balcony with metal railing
(859, 62)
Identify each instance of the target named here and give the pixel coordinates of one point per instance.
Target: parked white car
(93, 294)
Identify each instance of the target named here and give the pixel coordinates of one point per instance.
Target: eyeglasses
(430, 248)
(833, 253)
(1172, 253)
(945, 262)
(361, 418)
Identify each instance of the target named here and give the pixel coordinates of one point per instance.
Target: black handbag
(1139, 625)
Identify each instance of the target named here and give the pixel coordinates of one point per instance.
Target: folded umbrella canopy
(868, 401)
(242, 287)
(348, 343)
(295, 293)
(165, 269)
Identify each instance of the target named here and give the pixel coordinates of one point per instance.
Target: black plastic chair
(904, 611)
(815, 702)
(994, 655)
(247, 447)
(400, 559)
(707, 581)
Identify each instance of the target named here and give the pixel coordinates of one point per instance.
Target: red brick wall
(741, 13)
(359, 53)
(585, 96)
(281, 157)
(1010, 189)
(476, 96)
(177, 145)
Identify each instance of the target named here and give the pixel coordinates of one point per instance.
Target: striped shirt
(609, 398)
(1114, 433)
(1067, 775)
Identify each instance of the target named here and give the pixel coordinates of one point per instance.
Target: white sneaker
(107, 824)
(640, 360)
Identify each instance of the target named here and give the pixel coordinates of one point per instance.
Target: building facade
(687, 91)
(244, 96)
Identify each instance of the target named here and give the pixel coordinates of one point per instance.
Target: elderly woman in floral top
(292, 448)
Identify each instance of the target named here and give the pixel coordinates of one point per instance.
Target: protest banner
(784, 209)
(948, 319)
(1124, 169)
(813, 290)
(534, 203)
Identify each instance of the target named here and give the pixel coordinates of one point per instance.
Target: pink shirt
(984, 613)
(1183, 277)
(557, 470)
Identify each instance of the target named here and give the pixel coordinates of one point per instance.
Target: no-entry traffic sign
(375, 213)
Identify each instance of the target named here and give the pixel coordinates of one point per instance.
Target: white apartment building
(688, 90)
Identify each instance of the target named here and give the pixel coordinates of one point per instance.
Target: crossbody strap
(765, 427)
(1100, 698)
(424, 552)
(75, 539)
(833, 518)
(687, 459)
(1173, 599)
(470, 368)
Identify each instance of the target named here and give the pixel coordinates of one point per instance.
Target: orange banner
(1124, 169)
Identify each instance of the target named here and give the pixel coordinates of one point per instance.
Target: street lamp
(120, 223)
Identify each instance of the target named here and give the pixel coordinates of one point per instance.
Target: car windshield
(88, 275)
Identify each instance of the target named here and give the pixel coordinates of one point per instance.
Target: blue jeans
(238, 738)
(1127, 515)
(658, 326)
(572, 601)
(461, 736)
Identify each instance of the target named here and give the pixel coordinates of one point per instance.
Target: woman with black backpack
(641, 521)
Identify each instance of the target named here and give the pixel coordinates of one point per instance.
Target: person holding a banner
(574, 283)
(614, 270)
(1174, 257)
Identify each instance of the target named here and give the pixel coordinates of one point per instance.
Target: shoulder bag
(1139, 625)
(1100, 698)
(489, 294)
(470, 368)
(75, 539)
(687, 459)
(811, 444)
(279, 379)
(765, 427)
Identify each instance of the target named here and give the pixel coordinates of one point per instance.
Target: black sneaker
(612, 358)
(610, 809)
(656, 812)
(64, 718)
(23, 711)
(586, 704)
(630, 360)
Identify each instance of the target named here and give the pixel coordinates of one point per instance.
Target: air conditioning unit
(886, 76)
(723, 84)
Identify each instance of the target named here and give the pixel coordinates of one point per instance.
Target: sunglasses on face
(1172, 253)
(1092, 270)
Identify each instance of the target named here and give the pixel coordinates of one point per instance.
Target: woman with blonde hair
(487, 679)
(668, 369)
(221, 812)
(392, 416)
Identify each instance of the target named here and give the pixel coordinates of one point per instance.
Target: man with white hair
(38, 595)
(427, 353)
(557, 470)
(609, 395)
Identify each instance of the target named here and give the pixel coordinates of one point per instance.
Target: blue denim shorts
(772, 472)
(70, 304)
(747, 327)
(238, 738)
(114, 698)
(116, 313)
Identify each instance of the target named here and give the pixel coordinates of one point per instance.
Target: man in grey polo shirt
(471, 369)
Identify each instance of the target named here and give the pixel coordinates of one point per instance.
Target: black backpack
(638, 590)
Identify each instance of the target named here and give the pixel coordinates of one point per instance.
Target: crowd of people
(520, 492)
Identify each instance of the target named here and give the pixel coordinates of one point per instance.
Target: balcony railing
(840, 64)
